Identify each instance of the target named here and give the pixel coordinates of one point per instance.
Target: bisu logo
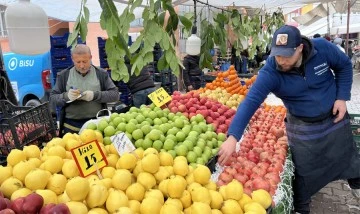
(14, 63)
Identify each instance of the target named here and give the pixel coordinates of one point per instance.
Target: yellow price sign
(159, 97)
(89, 158)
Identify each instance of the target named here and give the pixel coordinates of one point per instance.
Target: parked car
(30, 77)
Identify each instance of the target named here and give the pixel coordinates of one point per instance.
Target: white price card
(122, 143)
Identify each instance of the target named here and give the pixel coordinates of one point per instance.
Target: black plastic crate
(60, 52)
(212, 163)
(21, 126)
(104, 64)
(61, 41)
(101, 42)
(61, 62)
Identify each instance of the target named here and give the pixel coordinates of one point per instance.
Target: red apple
(208, 104)
(203, 101)
(214, 108)
(188, 105)
(261, 183)
(7, 211)
(182, 108)
(192, 115)
(230, 170)
(225, 177)
(242, 178)
(3, 204)
(60, 208)
(216, 115)
(33, 203)
(47, 208)
(205, 113)
(227, 122)
(192, 109)
(209, 119)
(17, 205)
(174, 109)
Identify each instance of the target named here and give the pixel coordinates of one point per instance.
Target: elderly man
(81, 91)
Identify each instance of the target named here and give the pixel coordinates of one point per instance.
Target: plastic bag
(97, 120)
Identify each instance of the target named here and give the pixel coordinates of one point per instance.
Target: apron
(322, 152)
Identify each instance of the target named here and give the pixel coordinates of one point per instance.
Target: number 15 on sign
(159, 97)
(89, 158)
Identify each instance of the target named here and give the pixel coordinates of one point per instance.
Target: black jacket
(191, 64)
(141, 82)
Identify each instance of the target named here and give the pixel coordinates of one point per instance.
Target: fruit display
(223, 97)
(22, 130)
(166, 131)
(262, 153)
(191, 104)
(145, 182)
(230, 81)
(32, 203)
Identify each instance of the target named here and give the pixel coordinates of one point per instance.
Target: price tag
(122, 143)
(89, 158)
(159, 97)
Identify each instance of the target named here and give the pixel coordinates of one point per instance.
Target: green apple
(191, 157)
(198, 151)
(157, 145)
(181, 150)
(169, 144)
(139, 143)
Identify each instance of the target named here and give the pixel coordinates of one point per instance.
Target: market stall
(135, 161)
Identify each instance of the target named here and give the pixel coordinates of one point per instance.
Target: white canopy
(337, 22)
(68, 10)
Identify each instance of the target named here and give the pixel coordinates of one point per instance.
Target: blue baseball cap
(285, 41)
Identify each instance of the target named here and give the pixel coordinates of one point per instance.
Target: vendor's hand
(226, 150)
(339, 109)
(73, 94)
(190, 87)
(88, 96)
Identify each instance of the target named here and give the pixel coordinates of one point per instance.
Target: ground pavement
(336, 196)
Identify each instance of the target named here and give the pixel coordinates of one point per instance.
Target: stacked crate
(125, 94)
(60, 53)
(167, 79)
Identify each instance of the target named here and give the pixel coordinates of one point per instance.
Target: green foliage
(141, 51)
(212, 34)
(80, 27)
(155, 31)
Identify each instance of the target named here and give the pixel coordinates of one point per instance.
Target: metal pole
(328, 19)
(347, 28)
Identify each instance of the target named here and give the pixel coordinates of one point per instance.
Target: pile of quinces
(139, 182)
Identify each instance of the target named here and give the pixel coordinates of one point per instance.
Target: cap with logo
(285, 41)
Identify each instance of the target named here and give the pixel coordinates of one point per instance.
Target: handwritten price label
(122, 143)
(159, 97)
(89, 158)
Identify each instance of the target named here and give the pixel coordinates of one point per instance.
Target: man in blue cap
(313, 79)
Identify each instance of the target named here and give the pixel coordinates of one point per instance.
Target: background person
(298, 71)
(192, 74)
(83, 78)
(141, 86)
(338, 42)
(316, 35)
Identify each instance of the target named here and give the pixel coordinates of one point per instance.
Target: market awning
(319, 27)
(67, 10)
(312, 16)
